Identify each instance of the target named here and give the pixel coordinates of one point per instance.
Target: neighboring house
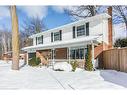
(70, 41)
(8, 56)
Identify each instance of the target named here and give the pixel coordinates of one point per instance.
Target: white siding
(34, 41)
(67, 33)
(96, 27)
(47, 38)
(105, 31)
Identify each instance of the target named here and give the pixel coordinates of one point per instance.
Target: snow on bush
(62, 66)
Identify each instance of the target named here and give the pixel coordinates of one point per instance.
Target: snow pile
(63, 66)
(79, 70)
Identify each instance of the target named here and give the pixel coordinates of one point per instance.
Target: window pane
(72, 54)
(81, 30)
(40, 40)
(56, 36)
(77, 53)
(81, 53)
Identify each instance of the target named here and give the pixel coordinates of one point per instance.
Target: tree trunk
(4, 42)
(126, 28)
(4, 46)
(15, 39)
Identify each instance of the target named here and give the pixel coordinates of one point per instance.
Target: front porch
(67, 54)
(75, 49)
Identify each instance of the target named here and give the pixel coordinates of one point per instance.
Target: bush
(34, 61)
(74, 65)
(121, 43)
(88, 64)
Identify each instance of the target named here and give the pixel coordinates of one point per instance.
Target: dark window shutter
(87, 29)
(42, 38)
(36, 40)
(51, 37)
(73, 31)
(60, 34)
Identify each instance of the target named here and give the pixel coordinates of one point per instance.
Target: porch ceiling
(62, 44)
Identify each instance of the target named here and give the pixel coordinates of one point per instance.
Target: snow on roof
(61, 44)
(88, 19)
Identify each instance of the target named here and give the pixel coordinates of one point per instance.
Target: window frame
(39, 40)
(79, 55)
(80, 30)
(58, 39)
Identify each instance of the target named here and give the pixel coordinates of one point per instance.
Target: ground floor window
(78, 53)
(31, 55)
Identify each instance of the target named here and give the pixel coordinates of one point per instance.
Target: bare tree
(78, 12)
(5, 41)
(31, 26)
(15, 39)
(120, 15)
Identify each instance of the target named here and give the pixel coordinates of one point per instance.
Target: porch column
(27, 58)
(53, 59)
(69, 55)
(93, 54)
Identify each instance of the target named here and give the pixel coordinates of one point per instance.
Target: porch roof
(62, 44)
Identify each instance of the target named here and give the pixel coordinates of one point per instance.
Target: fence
(115, 59)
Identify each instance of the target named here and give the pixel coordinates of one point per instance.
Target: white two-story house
(69, 42)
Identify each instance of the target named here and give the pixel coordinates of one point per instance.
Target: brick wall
(61, 53)
(98, 50)
(110, 28)
(41, 55)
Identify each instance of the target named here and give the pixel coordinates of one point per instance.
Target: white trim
(68, 43)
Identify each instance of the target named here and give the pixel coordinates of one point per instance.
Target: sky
(52, 16)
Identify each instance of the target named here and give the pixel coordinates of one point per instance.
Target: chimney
(110, 36)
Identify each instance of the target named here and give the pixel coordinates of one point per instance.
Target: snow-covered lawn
(45, 78)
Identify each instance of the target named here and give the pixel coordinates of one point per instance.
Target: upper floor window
(81, 30)
(56, 36)
(39, 40)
